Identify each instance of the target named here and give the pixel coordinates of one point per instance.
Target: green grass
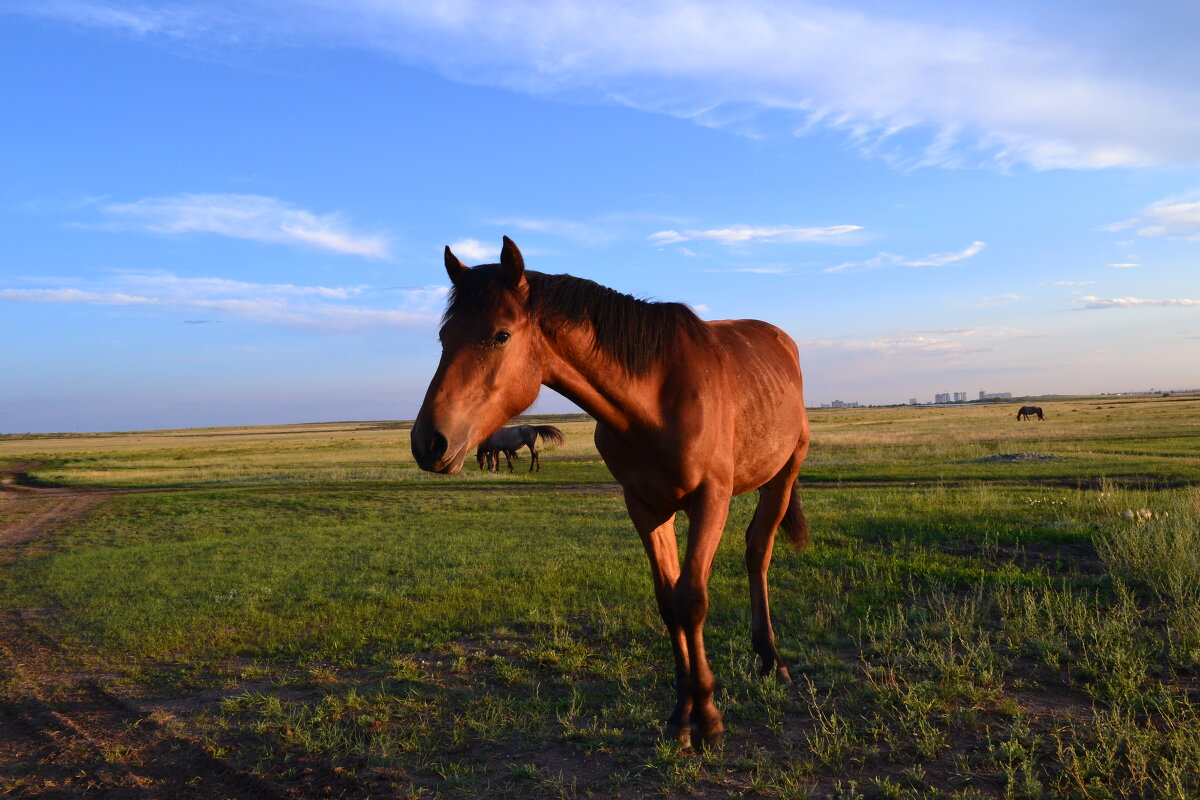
(963, 626)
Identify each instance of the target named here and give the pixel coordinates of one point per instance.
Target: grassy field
(989, 609)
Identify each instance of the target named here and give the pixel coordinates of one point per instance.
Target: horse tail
(794, 523)
(550, 434)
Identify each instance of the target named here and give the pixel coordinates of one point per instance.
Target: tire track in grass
(63, 732)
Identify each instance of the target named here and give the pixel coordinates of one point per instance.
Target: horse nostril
(437, 446)
(428, 446)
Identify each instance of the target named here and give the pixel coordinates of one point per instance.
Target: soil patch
(1014, 458)
(63, 731)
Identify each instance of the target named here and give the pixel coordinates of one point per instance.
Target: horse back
(761, 364)
(728, 409)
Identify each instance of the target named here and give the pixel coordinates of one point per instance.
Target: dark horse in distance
(1027, 412)
(509, 440)
(688, 414)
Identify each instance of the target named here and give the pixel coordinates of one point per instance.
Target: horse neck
(596, 383)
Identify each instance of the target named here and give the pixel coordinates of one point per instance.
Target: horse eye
(501, 337)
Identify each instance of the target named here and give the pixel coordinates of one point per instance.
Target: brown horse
(688, 413)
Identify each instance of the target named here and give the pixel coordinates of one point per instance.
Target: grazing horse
(510, 440)
(688, 413)
(490, 459)
(1027, 412)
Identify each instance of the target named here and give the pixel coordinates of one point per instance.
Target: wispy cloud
(1177, 217)
(243, 216)
(1123, 265)
(140, 20)
(893, 260)
(1092, 303)
(748, 234)
(754, 270)
(970, 88)
(585, 232)
(320, 307)
(475, 251)
(953, 342)
(1172, 219)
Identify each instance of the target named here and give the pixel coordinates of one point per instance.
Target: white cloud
(1175, 216)
(893, 260)
(1123, 265)
(958, 342)
(475, 251)
(747, 234)
(1091, 302)
(971, 88)
(109, 298)
(243, 216)
(942, 259)
(320, 307)
(1172, 219)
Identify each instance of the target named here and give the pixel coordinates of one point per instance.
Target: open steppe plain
(989, 608)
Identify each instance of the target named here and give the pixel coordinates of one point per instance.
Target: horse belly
(771, 422)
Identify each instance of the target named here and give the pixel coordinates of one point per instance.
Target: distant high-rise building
(912, 401)
(941, 397)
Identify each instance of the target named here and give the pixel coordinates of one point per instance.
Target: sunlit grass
(977, 617)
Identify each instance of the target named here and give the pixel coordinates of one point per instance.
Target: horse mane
(635, 333)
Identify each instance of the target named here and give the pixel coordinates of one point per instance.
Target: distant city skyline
(220, 213)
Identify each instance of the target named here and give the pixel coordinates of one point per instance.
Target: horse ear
(513, 263)
(454, 268)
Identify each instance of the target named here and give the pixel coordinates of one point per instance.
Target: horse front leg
(707, 513)
(657, 531)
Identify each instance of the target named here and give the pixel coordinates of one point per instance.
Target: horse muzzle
(433, 452)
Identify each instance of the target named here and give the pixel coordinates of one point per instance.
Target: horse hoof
(679, 733)
(713, 740)
(782, 675)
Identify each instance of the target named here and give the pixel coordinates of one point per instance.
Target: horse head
(491, 365)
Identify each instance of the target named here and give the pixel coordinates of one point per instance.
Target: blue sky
(229, 213)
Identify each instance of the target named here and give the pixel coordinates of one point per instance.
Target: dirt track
(64, 731)
(41, 510)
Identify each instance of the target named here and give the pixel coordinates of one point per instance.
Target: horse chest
(662, 473)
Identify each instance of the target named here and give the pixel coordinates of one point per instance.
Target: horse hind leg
(535, 459)
(774, 499)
